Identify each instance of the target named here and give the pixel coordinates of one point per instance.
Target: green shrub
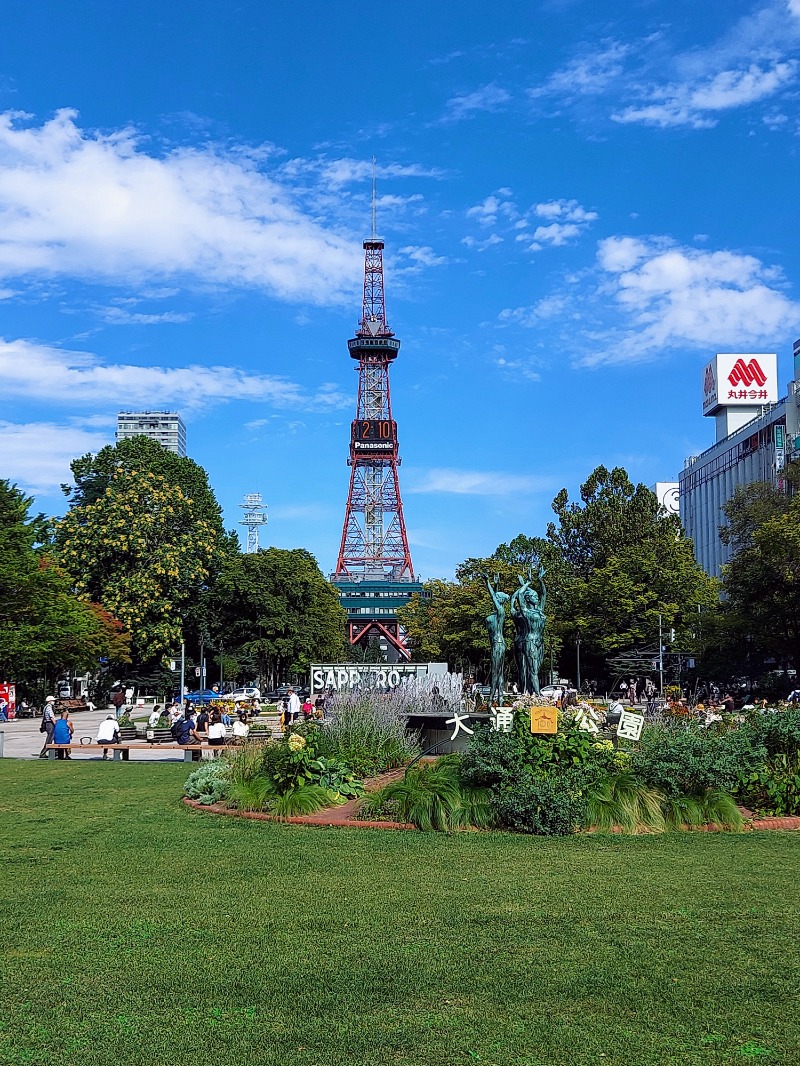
(777, 731)
(552, 805)
(774, 788)
(209, 783)
(494, 757)
(686, 759)
(432, 796)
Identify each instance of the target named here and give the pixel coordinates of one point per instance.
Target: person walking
(292, 707)
(118, 700)
(62, 734)
(48, 724)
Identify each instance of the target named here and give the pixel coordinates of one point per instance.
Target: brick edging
(321, 819)
(775, 822)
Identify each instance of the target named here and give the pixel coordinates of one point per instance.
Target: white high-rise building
(757, 434)
(165, 427)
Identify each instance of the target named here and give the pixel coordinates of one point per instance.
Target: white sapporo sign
(343, 677)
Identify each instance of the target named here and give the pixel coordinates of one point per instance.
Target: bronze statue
(521, 637)
(527, 607)
(495, 624)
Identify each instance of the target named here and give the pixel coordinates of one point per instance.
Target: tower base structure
(372, 606)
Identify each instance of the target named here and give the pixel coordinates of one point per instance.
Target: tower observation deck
(374, 573)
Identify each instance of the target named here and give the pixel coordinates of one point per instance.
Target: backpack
(176, 729)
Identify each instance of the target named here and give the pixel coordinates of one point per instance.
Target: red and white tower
(374, 572)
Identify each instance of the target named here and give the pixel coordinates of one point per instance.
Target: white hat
(50, 699)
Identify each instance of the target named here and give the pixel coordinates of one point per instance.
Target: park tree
(761, 582)
(144, 548)
(625, 562)
(279, 612)
(44, 628)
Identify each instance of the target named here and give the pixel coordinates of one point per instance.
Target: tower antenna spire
(374, 202)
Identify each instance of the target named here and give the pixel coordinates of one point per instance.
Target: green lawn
(137, 931)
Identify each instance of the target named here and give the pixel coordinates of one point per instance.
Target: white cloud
(567, 219)
(488, 210)
(488, 98)
(118, 316)
(589, 74)
(547, 308)
(566, 210)
(475, 482)
(518, 367)
(98, 207)
(53, 376)
(37, 455)
(696, 105)
(794, 7)
(348, 171)
(482, 245)
(421, 256)
(670, 296)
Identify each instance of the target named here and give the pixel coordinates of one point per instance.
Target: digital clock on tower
(374, 435)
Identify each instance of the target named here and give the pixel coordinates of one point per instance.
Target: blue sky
(582, 203)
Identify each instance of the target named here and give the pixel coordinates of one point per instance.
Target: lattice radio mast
(255, 516)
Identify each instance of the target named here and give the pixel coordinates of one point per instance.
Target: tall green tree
(44, 627)
(278, 610)
(143, 547)
(762, 580)
(625, 562)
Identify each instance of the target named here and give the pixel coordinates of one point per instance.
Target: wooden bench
(122, 751)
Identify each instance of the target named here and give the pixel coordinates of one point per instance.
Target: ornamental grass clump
(368, 731)
(432, 796)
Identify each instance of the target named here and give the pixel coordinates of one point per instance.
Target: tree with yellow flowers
(145, 549)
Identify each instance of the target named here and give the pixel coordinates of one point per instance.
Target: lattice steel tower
(255, 516)
(374, 545)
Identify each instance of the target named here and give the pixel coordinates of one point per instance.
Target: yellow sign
(544, 719)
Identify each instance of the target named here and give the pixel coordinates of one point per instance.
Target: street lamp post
(578, 652)
(183, 672)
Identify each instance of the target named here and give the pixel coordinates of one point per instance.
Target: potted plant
(127, 727)
(159, 733)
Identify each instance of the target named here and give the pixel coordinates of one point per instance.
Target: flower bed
(679, 776)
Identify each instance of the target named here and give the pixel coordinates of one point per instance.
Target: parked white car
(246, 693)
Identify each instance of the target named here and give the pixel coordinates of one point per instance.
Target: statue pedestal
(435, 730)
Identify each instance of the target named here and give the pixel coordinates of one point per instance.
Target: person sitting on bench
(108, 733)
(62, 734)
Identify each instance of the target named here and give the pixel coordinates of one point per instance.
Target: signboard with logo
(544, 719)
(734, 380)
(8, 692)
(343, 677)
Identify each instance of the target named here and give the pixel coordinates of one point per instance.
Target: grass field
(137, 931)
